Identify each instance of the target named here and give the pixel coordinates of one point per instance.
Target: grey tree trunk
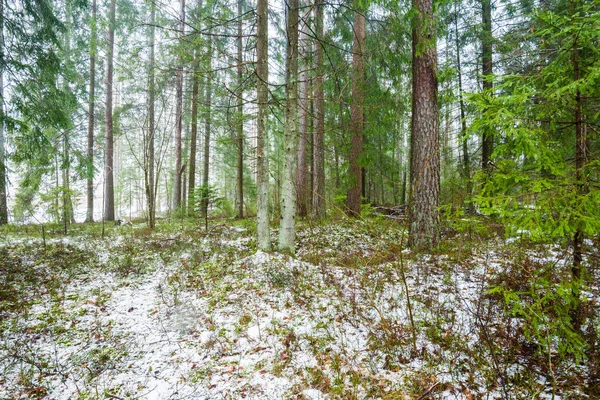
(207, 128)
(425, 149)
(151, 186)
(357, 116)
(302, 171)
(91, 106)
(240, 121)
(318, 194)
(262, 162)
(179, 117)
(287, 228)
(109, 188)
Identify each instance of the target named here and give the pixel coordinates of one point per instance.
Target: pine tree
(425, 150)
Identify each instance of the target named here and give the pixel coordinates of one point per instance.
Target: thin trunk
(466, 167)
(179, 116)
(207, 128)
(262, 162)
(318, 194)
(91, 106)
(353, 198)
(287, 230)
(194, 136)
(109, 189)
(302, 171)
(3, 197)
(240, 122)
(425, 150)
(149, 162)
(487, 146)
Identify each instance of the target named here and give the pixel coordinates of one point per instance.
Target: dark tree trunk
(318, 194)
(3, 197)
(353, 198)
(487, 146)
(179, 118)
(466, 161)
(425, 149)
(109, 189)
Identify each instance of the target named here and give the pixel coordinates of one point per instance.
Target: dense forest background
(428, 173)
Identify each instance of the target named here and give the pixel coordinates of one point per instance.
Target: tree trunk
(179, 116)
(302, 171)
(3, 197)
(466, 167)
(194, 136)
(109, 188)
(487, 146)
(149, 156)
(425, 150)
(91, 106)
(318, 194)
(207, 128)
(287, 229)
(262, 162)
(240, 121)
(357, 116)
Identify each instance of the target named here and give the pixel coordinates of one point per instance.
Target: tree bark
(302, 170)
(91, 106)
(425, 149)
(466, 161)
(179, 116)
(262, 162)
(109, 189)
(240, 122)
(487, 146)
(207, 128)
(3, 197)
(287, 229)
(149, 156)
(318, 193)
(353, 197)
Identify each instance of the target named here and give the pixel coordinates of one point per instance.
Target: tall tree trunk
(179, 116)
(425, 149)
(357, 116)
(109, 188)
(149, 156)
(3, 197)
(487, 146)
(302, 171)
(207, 128)
(194, 135)
(262, 141)
(91, 106)
(318, 194)
(287, 229)
(466, 161)
(240, 120)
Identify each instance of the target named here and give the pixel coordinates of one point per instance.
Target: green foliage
(533, 186)
(544, 309)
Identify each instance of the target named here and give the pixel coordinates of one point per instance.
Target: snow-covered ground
(191, 315)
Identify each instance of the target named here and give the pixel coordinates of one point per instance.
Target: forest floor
(184, 313)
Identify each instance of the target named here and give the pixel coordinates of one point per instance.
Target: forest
(301, 199)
